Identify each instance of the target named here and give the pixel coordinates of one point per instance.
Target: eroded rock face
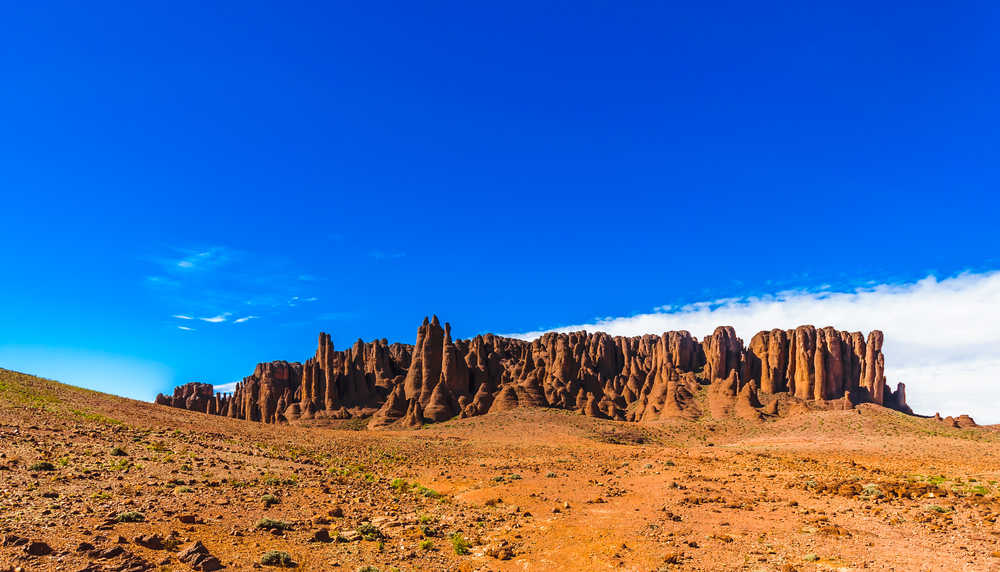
(193, 396)
(642, 378)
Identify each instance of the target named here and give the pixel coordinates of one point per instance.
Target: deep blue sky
(509, 167)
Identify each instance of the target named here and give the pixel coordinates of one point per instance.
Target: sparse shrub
(871, 491)
(367, 569)
(550, 475)
(131, 516)
(276, 558)
(428, 531)
(669, 464)
(272, 524)
(158, 447)
(120, 465)
(184, 490)
(426, 544)
(460, 544)
(514, 477)
(118, 452)
(937, 508)
(270, 500)
(42, 466)
(430, 493)
(810, 557)
(369, 531)
(399, 484)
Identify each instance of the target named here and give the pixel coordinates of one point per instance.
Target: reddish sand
(529, 489)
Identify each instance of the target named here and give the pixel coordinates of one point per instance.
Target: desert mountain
(642, 378)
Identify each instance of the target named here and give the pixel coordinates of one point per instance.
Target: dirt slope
(528, 489)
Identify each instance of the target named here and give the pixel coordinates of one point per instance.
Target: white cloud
(217, 319)
(225, 387)
(203, 258)
(243, 319)
(182, 317)
(185, 328)
(942, 337)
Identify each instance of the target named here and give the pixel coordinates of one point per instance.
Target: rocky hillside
(641, 378)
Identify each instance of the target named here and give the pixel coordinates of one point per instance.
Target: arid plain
(90, 481)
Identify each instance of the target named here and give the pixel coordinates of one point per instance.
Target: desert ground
(90, 481)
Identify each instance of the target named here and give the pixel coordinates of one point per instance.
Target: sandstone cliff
(642, 378)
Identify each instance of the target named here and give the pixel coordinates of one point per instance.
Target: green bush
(131, 516)
(872, 491)
(276, 558)
(272, 524)
(430, 493)
(270, 500)
(369, 531)
(42, 466)
(460, 544)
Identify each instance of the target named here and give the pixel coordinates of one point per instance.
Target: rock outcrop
(642, 378)
(192, 396)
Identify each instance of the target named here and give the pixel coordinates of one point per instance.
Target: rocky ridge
(642, 378)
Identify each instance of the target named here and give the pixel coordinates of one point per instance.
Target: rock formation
(642, 378)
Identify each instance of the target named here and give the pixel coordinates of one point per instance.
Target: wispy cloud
(215, 284)
(217, 319)
(203, 259)
(185, 328)
(161, 282)
(941, 336)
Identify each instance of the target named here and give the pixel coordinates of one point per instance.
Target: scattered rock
(38, 549)
(321, 535)
(151, 541)
(197, 556)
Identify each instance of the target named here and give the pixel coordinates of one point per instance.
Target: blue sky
(515, 167)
